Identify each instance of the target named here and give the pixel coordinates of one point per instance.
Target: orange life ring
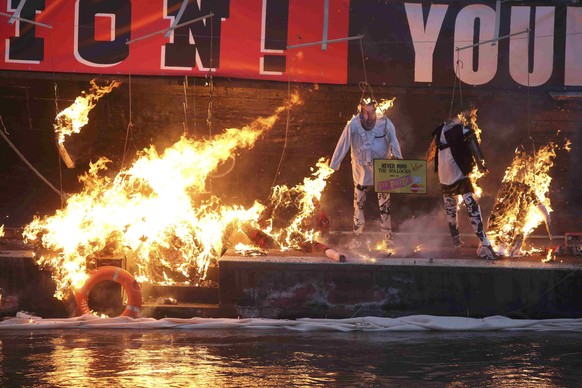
(118, 275)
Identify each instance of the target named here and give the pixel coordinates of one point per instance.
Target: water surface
(235, 358)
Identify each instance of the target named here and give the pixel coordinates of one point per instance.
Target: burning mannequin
(370, 135)
(456, 151)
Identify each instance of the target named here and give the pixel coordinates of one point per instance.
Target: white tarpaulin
(24, 321)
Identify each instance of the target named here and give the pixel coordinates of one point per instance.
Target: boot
(487, 252)
(457, 242)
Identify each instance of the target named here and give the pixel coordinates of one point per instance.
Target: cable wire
(23, 158)
(286, 131)
(130, 124)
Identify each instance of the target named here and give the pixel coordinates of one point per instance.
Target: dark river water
(282, 358)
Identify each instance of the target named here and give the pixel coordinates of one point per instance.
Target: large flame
(76, 116)
(157, 213)
(522, 203)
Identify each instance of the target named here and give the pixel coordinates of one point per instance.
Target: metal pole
(170, 29)
(25, 20)
(179, 17)
(325, 24)
(491, 40)
(325, 41)
(497, 21)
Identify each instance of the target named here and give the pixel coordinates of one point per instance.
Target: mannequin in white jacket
(370, 135)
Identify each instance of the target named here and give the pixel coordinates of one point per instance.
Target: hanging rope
(528, 95)
(60, 166)
(458, 67)
(210, 82)
(286, 130)
(365, 86)
(185, 103)
(209, 110)
(533, 147)
(129, 129)
(57, 111)
(194, 106)
(363, 62)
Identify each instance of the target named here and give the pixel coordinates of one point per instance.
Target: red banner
(242, 38)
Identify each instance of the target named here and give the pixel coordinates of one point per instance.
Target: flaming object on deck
(522, 202)
(156, 213)
(76, 116)
(293, 218)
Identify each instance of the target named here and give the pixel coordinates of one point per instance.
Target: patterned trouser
(474, 212)
(383, 203)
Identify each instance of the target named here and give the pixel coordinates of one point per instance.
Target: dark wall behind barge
(155, 108)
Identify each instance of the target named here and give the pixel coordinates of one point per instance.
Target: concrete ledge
(306, 285)
(30, 287)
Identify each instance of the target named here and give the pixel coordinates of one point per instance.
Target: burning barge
(157, 219)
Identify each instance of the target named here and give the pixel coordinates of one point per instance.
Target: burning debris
(293, 218)
(522, 202)
(76, 116)
(156, 213)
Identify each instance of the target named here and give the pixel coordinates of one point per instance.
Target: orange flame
(1, 230)
(384, 104)
(522, 203)
(550, 255)
(156, 213)
(471, 122)
(75, 117)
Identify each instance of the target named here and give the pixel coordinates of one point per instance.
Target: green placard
(400, 176)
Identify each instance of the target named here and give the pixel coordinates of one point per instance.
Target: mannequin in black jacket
(456, 151)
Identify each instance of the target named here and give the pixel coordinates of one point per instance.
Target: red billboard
(485, 44)
(230, 38)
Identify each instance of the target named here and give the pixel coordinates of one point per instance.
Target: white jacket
(378, 143)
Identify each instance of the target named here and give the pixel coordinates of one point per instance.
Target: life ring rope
(118, 275)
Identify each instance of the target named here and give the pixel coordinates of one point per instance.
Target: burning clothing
(379, 142)
(509, 215)
(454, 160)
(521, 205)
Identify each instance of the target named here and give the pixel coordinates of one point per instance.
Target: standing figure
(456, 151)
(370, 135)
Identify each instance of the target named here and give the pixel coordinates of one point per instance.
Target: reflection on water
(271, 358)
